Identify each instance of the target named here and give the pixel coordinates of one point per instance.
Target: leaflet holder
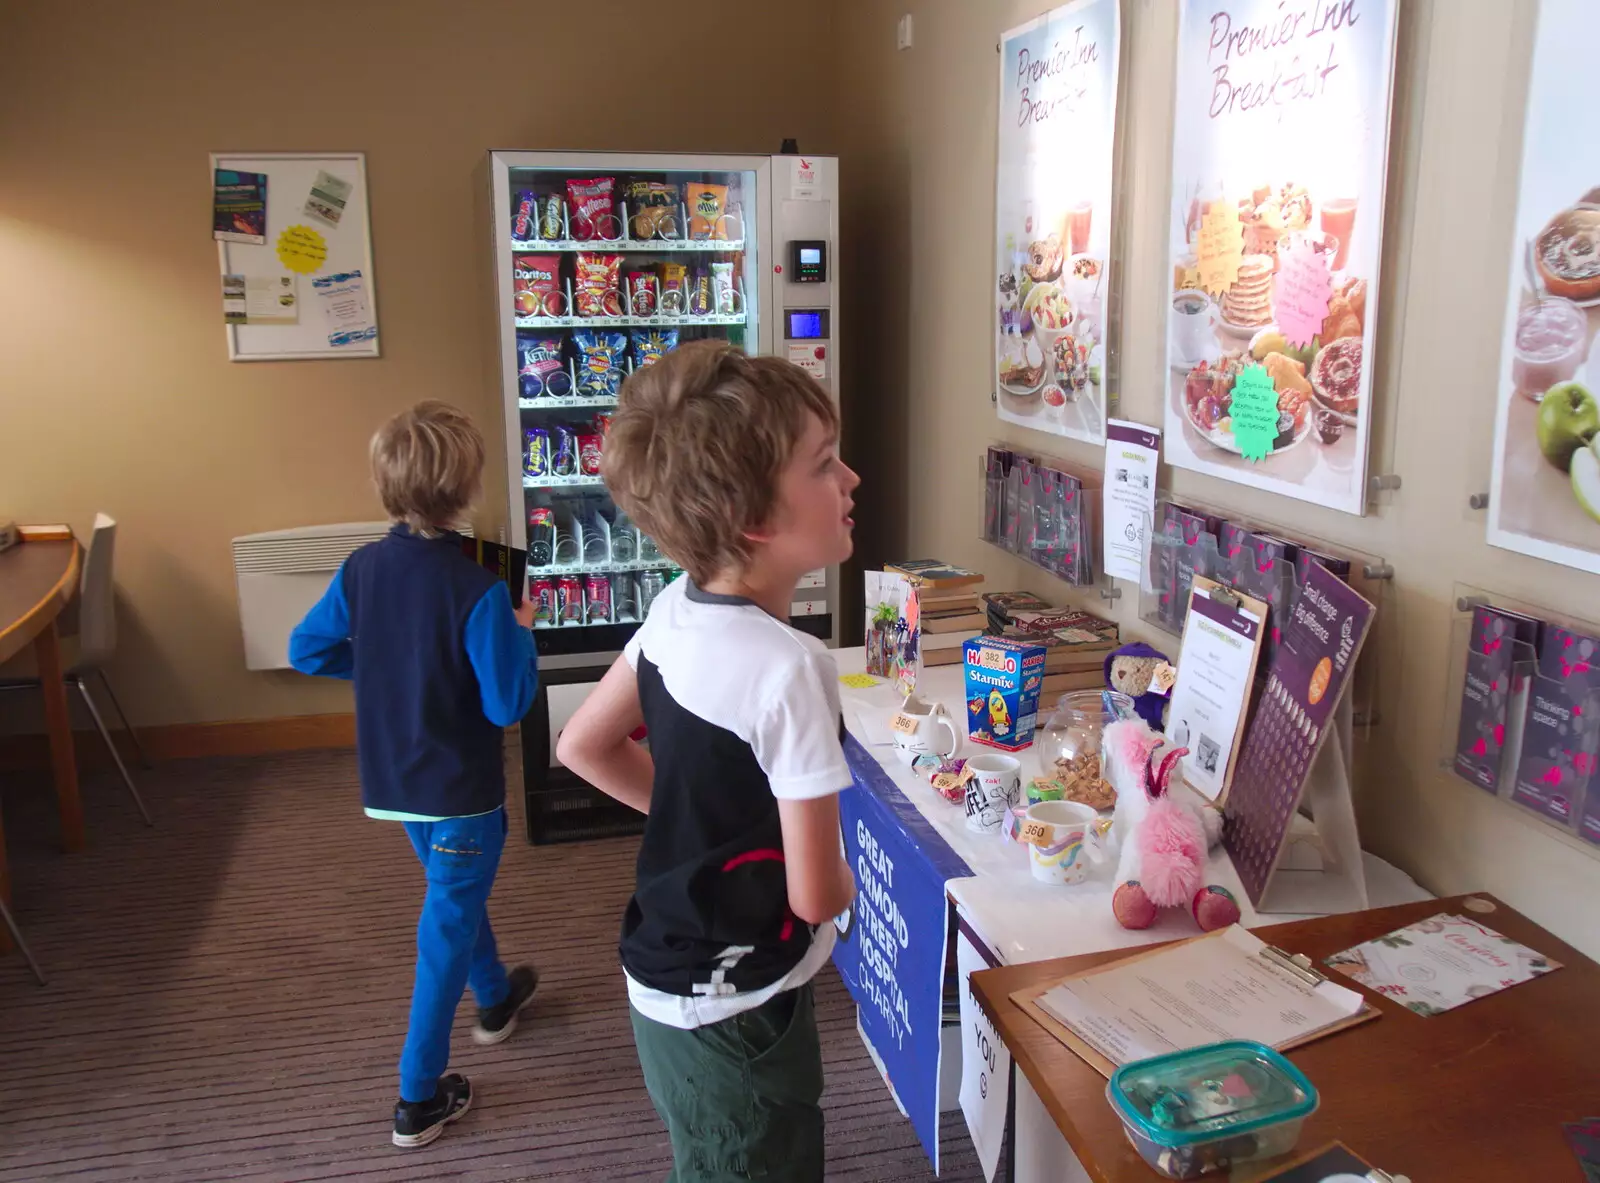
(1181, 541)
(1043, 511)
(1548, 766)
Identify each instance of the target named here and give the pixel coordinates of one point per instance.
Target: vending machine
(603, 263)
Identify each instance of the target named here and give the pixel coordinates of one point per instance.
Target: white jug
(916, 730)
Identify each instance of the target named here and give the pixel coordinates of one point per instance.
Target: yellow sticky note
(302, 249)
(1220, 246)
(860, 681)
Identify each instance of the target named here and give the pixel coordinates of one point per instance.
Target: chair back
(97, 620)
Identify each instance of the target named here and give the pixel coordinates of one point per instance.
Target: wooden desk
(38, 580)
(1478, 1093)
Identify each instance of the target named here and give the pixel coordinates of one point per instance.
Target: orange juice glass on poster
(1338, 219)
(1078, 217)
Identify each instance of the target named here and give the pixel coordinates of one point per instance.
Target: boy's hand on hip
(524, 612)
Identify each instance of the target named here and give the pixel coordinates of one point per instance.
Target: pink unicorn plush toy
(1164, 832)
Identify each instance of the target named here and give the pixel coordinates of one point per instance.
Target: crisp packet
(650, 345)
(599, 362)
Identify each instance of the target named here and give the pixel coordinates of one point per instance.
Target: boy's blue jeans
(455, 946)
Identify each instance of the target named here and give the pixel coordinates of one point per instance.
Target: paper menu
(1218, 987)
(1216, 668)
(1441, 963)
(1132, 450)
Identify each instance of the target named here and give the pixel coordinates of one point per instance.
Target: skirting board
(182, 741)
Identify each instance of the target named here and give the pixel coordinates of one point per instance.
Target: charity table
(1479, 1091)
(936, 900)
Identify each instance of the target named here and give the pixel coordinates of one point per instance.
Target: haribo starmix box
(1003, 677)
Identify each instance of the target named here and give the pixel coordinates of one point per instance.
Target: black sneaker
(416, 1123)
(496, 1023)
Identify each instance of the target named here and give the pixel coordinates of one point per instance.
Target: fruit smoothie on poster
(1279, 150)
(1545, 490)
(1058, 94)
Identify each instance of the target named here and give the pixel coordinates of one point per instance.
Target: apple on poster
(1281, 140)
(1545, 487)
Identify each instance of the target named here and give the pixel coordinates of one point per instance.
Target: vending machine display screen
(806, 324)
(808, 261)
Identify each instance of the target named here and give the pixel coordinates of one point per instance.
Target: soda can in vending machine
(624, 599)
(597, 599)
(541, 536)
(543, 594)
(540, 458)
(564, 460)
(569, 600)
(651, 585)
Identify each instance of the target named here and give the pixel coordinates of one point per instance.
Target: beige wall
(918, 131)
(115, 389)
(117, 394)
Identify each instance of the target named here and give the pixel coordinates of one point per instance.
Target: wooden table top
(1477, 1093)
(37, 580)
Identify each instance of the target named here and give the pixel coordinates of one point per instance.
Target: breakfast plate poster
(1545, 491)
(1058, 109)
(1278, 161)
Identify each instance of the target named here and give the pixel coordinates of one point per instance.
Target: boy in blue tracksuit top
(441, 664)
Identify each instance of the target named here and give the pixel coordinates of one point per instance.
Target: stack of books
(1076, 645)
(951, 611)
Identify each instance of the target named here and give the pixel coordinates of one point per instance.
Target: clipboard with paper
(1222, 641)
(1225, 985)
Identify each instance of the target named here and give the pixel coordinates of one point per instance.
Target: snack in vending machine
(524, 221)
(706, 205)
(569, 600)
(589, 454)
(723, 294)
(651, 345)
(642, 293)
(541, 372)
(539, 458)
(542, 592)
(602, 423)
(564, 456)
(536, 286)
(541, 536)
(591, 209)
(599, 361)
(596, 599)
(598, 289)
(699, 292)
(674, 299)
(548, 208)
(654, 208)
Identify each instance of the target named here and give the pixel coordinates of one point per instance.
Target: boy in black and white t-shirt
(730, 462)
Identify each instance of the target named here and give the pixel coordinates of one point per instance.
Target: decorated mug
(1063, 838)
(916, 728)
(994, 785)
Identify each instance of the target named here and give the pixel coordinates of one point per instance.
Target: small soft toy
(1129, 670)
(1164, 834)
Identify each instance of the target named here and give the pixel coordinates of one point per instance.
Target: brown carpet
(228, 997)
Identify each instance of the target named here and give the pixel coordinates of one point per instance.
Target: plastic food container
(1192, 1112)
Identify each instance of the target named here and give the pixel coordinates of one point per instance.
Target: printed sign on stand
(891, 943)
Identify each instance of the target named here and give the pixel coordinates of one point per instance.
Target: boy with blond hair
(731, 463)
(441, 665)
